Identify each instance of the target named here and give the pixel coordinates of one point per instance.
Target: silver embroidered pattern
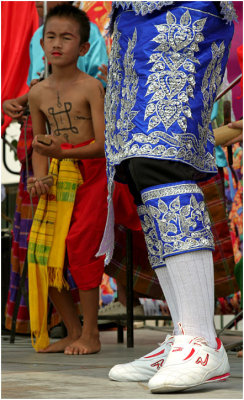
(172, 80)
(142, 7)
(171, 191)
(210, 85)
(112, 102)
(154, 245)
(181, 146)
(228, 11)
(117, 143)
(129, 93)
(182, 226)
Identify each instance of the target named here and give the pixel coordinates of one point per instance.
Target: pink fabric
(233, 67)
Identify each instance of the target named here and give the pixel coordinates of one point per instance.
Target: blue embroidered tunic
(166, 64)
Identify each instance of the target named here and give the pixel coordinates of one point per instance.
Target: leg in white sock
(192, 277)
(169, 294)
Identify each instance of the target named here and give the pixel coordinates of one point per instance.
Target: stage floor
(28, 375)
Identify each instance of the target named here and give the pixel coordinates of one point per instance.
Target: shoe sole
(167, 389)
(136, 379)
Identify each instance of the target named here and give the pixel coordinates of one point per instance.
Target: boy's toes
(73, 350)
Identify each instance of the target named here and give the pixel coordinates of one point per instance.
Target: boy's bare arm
(14, 108)
(39, 162)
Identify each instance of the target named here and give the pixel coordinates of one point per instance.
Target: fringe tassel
(56, 278)
(39, 340)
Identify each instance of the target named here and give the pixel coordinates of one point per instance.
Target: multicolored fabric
(21, 228)
(223, 255)
(165, 67)
(47, 244)
(145, 280)
(234, 194)
(24, 144)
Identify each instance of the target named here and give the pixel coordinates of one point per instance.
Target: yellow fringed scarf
(46, 249)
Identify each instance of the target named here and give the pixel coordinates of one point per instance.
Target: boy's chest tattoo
(61, 118)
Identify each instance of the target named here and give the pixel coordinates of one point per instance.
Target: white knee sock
(192, 277)
(168, 290)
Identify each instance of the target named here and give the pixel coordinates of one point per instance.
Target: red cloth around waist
(74, 146)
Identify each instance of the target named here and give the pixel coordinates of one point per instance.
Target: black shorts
(140, 173)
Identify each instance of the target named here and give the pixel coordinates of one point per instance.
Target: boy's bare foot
(84, 345)
(59, 346)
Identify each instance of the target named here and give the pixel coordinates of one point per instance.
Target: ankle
(74, 333)
(88, 332)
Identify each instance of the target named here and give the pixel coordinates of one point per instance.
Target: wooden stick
(44, 139)
(223, 134)
(235, 81)
(48, 180)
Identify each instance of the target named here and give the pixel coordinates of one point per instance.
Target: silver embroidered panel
(172, 74)
(180, 218)
(147, 7)
(154, 245)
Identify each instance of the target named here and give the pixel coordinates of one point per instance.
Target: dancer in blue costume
(166, 65)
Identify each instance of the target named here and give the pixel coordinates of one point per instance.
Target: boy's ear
(84, 47)
(42, 43)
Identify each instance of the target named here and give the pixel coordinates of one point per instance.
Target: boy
(72, 102)
(90, 63)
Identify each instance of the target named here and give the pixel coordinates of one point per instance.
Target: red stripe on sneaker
(218, 343)
(190, 354)
(156, 354)
(216, 378)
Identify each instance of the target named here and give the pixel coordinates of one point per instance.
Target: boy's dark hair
(69, 11)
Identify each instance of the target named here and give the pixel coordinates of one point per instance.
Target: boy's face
(61, 42)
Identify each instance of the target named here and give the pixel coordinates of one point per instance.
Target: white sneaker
(143, 368)
(190, 363)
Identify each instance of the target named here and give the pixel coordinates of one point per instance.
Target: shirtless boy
(73, 104)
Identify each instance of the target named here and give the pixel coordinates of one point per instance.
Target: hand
(34, 82)
(104, 72)
(39, 187)
(53, 150)
(13, 109)
(235, 125)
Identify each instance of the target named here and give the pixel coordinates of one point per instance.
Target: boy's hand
(34, 82)
(13, 109)
(36, 187)
(104, 72)
(53, 150)
(235, 125)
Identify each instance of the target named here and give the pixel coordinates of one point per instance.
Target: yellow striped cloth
(46, 249)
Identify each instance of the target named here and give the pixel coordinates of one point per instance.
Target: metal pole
(129, 288)
(46, 72)
(45, 58)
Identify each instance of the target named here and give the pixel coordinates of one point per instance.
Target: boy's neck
(68, 73)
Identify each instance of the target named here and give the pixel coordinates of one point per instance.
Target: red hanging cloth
(19, 20)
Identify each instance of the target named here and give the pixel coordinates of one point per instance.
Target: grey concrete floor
(28, 375)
